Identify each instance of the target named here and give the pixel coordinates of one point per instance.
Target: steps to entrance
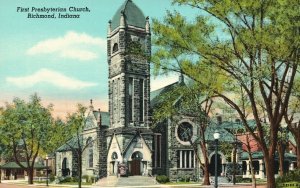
(130, 181)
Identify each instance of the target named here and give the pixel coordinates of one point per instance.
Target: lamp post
(0, 174)
(47, 170)
(216, 137)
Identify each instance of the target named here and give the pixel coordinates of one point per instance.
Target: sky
(63, 60)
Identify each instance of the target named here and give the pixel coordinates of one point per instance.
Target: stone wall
(102, 169)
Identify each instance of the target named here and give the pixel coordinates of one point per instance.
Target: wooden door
(136, 167)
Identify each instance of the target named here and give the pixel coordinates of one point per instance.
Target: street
(5, 185)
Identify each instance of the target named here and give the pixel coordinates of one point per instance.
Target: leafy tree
(190, 100)
(292, 122)
(77, 143)
(252, 45)
(26, 129)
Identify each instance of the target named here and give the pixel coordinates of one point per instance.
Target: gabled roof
(132, 14)
(14, 165)
(133, 139)
(226, 129)
(72, 143)
(104, 117)
(155, 96)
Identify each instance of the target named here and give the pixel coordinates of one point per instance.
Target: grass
(180, 183)
(74, 183)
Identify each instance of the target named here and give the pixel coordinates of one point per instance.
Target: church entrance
(136, 163)
(136, 167)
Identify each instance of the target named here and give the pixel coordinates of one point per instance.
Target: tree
(190, 100)
(26, 128)
(77, 143)
(292, 123)
(247, 143)
(253, 45)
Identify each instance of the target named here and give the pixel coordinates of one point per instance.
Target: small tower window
(115, 47)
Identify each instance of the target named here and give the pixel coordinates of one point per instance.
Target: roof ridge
(126, 3)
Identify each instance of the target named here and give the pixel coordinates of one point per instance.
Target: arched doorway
(65, 167)
(212, 165)
(136, 163)
(114, 163)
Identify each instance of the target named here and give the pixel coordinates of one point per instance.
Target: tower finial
(91, 105)
(122, 20)
(109, 28)
(99, 117)
(147, 25)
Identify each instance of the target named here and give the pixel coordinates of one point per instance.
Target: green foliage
(292, 176)
(240, 179)
(162, 179)
(67, 179)
(184, 179)
(135, 48)
(52, 177)
(27, 128)
(243, 52)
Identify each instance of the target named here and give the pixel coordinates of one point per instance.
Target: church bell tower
(129, 136)
(129, 49)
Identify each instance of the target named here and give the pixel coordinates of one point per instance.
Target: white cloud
(73, 46)
(51, 77)
(162, 81)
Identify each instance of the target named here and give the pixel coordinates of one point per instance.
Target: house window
(157, 150)
(185, 159)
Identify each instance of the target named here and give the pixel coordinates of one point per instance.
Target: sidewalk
(23, 183)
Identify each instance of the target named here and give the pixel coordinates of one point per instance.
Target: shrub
(292, 176)
(92, 179)
(67, 179)
(75, 179)
(240, 179)
(86, 177)
(52, 177)
(162, 179)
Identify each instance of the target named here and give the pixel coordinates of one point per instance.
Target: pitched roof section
(14, 165)
(260, 155)
(71, 144)
(104, 117)
(155, 96)
(133, 15)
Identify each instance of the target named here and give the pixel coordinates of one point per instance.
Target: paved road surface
(3, 185)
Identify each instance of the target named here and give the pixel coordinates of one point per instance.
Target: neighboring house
(12, 171)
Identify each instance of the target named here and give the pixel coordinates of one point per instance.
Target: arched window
(65, 164)
(114, 156)
(137, 156)
(115, 47)
(90, 152)
(65, 167)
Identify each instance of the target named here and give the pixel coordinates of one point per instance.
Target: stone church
(124, 141)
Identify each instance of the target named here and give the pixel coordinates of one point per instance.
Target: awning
(14, 165)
